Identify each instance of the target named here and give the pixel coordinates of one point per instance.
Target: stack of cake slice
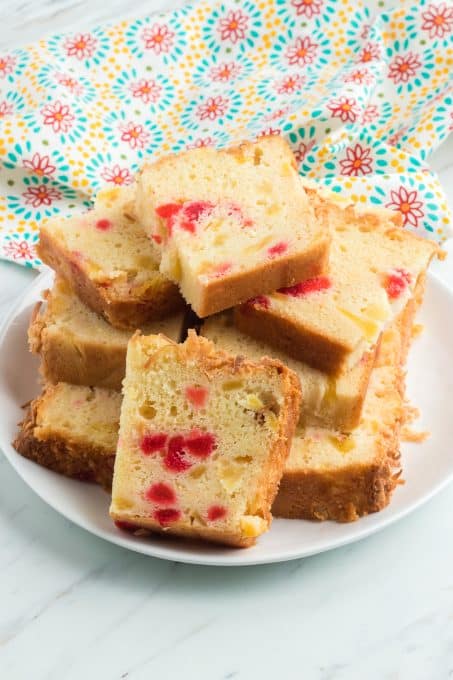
(298, 294)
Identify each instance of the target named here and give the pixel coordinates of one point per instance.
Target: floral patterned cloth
(360, 90)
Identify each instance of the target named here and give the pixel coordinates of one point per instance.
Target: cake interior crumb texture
(203, 440)
(231, 223)
(78, 346)
(108, 259)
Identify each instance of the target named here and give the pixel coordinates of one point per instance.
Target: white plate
(427, 467)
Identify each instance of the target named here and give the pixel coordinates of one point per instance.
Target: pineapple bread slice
(203, 440)
(328, 401)
(229, 224)
(332, 320)
(106, 256)
(341, 477)
(78, 346)
(72, 430)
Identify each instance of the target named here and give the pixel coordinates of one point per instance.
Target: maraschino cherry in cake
(203, 440)
(230, 224)
(332, 320)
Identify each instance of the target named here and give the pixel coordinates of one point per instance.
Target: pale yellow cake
(203, 440)
(331, 320)
(72, 430)
(78, 346)
(229, 224)
(109, 261)
(328, 401)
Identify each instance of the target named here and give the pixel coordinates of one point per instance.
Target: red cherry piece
(315, 285)
(216, 512)
(221, 269)
(103, 225)
(176, 458)
(197, 396)
(277, 249)
(260, 301)
(166, 516)
(188, 226)
(397, 282)
(161, 493)
(126, 526)
(194, 210)
(151, 443)
(200, 444)
(167, 210)
(157, 238)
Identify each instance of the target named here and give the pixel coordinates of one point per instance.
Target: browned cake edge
(87, 462)
(121, 309)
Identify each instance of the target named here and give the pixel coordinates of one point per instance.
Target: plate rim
(173, 554)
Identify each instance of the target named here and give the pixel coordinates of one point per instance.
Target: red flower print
(225, 71)
(269, 132)
(81, 46)
(289, 84)
(344, 108)
(365, 31)
(7, 64)
(201, 142)
(403, 68)
(39, 165)
(369, 52)
(438, 20)
(19, 250)
(357, 162)
(302, 149)
(277, 114)
(69, 83)
(117, 175)
(59, 116)
(406, 203)
(158, 38)
(147, 90)
(302, 52)
(394, 139)
(307, 8)
(371, 112)
(40, 195)
(213, 108)
(360, 76)
(233, 26)
(134, 134)
(6, 109)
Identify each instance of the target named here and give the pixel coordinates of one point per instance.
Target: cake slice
(72, 430)
(233, 223)
(341, 477)
(203, 440)
(330, 321)
(109, 261)
(328, 401)
(78, 346)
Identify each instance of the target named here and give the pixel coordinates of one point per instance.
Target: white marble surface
(73, 607)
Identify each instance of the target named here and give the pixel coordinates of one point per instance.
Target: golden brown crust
(296, 339)
(222, 293)
(87, 463)
(122, 306)
(346, 494)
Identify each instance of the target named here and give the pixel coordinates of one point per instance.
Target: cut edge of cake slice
(126, 295)
(215, 223)
(325, 332)
(73, 431)
(186, 462)
(78, 346)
